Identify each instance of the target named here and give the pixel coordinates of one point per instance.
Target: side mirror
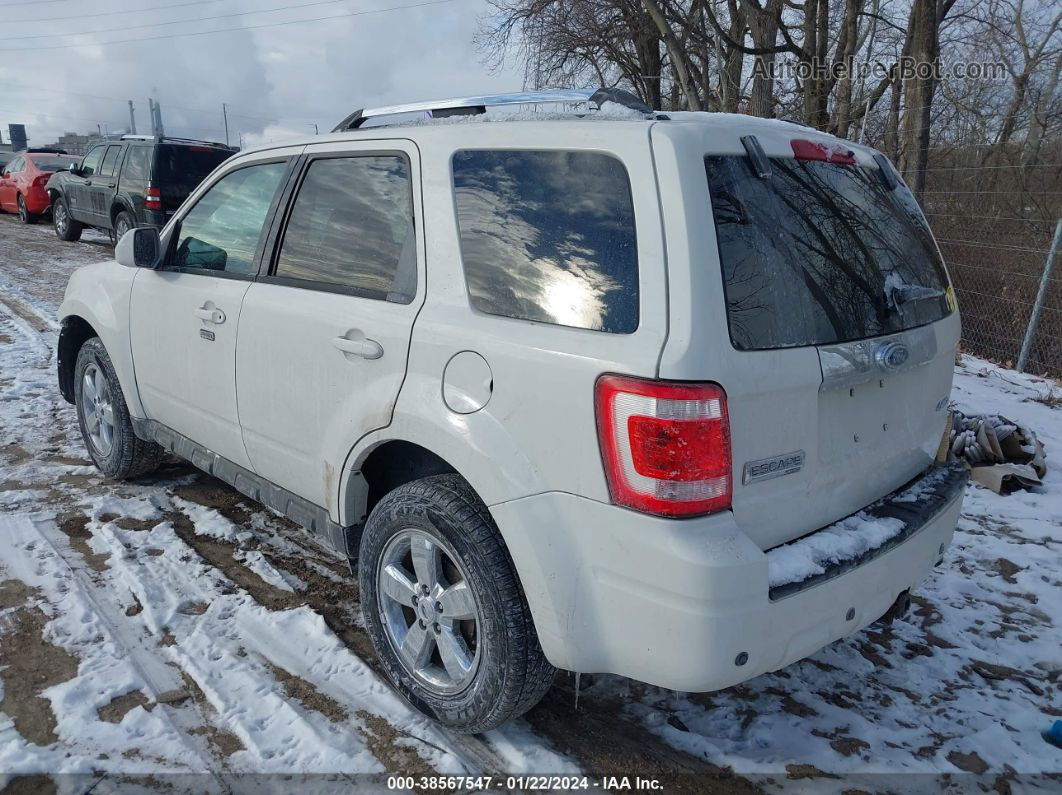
(139, 248)
(74, 168)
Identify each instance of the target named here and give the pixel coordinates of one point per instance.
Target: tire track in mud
(163, 683)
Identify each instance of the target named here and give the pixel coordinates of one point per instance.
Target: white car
(658, 395)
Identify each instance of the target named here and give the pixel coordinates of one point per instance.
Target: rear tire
(66, 228)
(493, 669)
(104, 418)
(123, 222)
(24, 215)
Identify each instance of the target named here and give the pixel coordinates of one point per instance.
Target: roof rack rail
(193, 141)
(135, 137)
(470, 106)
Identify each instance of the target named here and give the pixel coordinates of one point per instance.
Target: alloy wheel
(97, 410)
(23, 213)
(429, 613)
(60, 217)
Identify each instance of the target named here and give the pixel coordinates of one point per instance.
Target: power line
(66, 17)
(230, 30)
(29, 3)
(35, 89)
(169, 22)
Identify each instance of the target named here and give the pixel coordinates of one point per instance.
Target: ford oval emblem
(891, 355)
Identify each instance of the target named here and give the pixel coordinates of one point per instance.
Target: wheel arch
(73, 334)
(121, 204)
(381, 467)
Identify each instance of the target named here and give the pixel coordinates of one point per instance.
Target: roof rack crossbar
(475, 105)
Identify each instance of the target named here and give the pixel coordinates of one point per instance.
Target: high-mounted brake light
(817, 150)
(153, 199)
(665, 445)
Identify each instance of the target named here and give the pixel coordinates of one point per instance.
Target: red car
(22, 183)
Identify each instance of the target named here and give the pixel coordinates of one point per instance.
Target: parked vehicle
(562, 388)
(22, 183)
(137, 181)
(5, 158)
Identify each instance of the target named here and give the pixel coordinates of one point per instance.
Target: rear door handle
(363, 347)
(210, 313)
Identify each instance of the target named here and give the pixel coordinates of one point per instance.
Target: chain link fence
(995, 221)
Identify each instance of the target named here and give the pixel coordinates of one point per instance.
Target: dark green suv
(136, 181)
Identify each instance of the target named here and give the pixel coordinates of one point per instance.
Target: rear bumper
(37, 200)
(686, 604)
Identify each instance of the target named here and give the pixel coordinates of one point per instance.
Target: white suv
(611, 391)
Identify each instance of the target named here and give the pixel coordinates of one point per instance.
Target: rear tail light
(153, 199)
(817, 150)
(665, 445)
(41, 181)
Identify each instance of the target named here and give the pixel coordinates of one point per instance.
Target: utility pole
(132, 119)
(225, 115)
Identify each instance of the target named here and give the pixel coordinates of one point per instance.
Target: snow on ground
(170, 626)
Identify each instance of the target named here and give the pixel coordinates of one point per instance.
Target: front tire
(104, 418)
(66, 228)
(445, 610)
(24, 215)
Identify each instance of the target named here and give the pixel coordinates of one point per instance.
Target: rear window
(548, 236)
(182, 168)
(53, 164)
(820, 253)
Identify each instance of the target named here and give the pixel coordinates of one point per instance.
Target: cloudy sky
(277, 74)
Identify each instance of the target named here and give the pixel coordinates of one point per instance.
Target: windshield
(53, 164)
(820, 253)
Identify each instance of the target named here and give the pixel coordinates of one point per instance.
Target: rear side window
(548, 236)
(109, 159)
(820, 253)
(137, 163)
(352, 227)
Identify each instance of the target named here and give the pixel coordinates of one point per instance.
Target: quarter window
(548, 236)
(137, 163)
(109, 159)
(352, 227)
(221, 232)
(90, 165)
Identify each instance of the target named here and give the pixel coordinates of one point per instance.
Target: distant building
(74, 143)
(16, 133)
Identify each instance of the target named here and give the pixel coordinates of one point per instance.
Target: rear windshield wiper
(899, 294)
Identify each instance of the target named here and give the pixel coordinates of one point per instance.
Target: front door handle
(359, 346)
(210, 313)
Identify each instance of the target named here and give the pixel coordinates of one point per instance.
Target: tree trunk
(923, 28)
(763, 27)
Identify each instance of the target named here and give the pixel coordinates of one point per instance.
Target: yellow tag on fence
(949, 294)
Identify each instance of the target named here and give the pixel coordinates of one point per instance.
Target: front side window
(352, 226)
(109, 159)
(820, 253)
(548, 236)
(16, 166)
(91, 163)
(221, 232)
